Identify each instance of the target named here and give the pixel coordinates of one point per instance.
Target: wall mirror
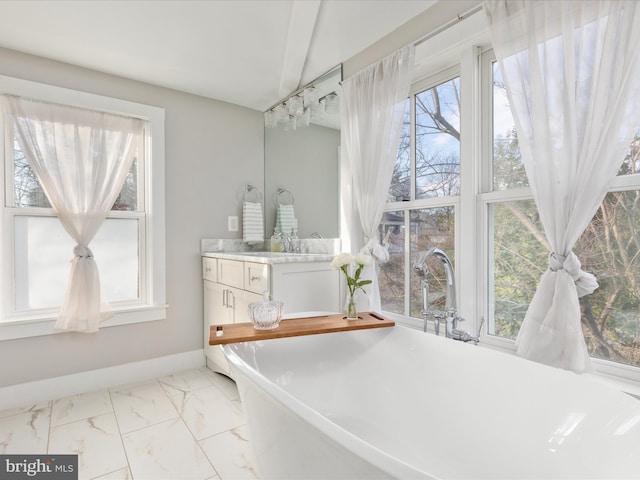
(301, 155)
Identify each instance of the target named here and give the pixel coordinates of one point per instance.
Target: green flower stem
(354, 283)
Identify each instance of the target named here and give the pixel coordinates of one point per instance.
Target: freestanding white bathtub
(399, 403)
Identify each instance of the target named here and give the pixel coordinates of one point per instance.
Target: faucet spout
(421, 269)
(450, 314)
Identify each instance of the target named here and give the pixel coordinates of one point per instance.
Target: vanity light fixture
(292, 124)
(331, 103)
(282, 113)
(297, 110)
(310, 96)
(295, 106)
(270, 119)
(303, 120)
(317, 111)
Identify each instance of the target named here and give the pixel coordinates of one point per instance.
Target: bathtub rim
(368, 452)
(380, 334)
(618, 376)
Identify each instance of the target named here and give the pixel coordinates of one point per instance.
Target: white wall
(428, 23)
(213, 149)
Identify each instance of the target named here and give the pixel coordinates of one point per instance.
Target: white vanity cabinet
(232, 281)
(225, 301)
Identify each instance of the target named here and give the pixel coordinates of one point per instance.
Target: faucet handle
(436, 315)
(452, 319)
(464, 336)
(480, 327)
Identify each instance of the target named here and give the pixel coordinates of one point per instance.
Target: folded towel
(252, 223)
(286, 219)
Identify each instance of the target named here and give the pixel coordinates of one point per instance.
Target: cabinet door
(216, 305)
(216, 311)
(240, 300)
(306, 287)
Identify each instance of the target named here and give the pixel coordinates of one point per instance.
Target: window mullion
(143, 203)
(412, 150)
(407, 262)
(8, 170)
(486, 99)
(407, 207)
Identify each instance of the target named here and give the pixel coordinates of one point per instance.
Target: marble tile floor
(188, 425)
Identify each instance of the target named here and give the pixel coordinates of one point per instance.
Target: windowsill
(23, 327)
(618, 376)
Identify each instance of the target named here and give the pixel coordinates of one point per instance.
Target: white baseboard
(30, 393)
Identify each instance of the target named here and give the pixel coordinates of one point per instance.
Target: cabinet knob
(254, 278)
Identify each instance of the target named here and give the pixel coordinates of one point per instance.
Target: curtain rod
(450, 23)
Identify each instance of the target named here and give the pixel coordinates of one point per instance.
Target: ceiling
(247, 52)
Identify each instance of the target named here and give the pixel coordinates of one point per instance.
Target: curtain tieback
(584, 281)
(374, 248)
(82, 251)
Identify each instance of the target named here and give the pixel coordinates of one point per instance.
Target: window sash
(19, 278)
(413, 204)
(140, 159)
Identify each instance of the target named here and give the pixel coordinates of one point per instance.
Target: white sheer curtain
(81, 158)
(571, 74)
(372, 110)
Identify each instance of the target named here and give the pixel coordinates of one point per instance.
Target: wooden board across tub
(293, 327)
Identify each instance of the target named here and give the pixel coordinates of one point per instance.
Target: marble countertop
(271, 257)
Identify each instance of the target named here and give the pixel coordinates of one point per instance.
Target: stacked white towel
(252, 223)
(286, 219)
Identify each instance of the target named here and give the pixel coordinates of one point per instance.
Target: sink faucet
(450, 314)
(286, 242)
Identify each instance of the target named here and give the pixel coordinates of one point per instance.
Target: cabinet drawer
(209, 269)
(256, 277)
(231, 272)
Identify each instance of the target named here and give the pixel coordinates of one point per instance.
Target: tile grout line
(124, 450)
(50, 406)
(187, 425)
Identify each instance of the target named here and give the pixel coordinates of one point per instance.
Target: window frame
(466, 44)
(151, 304)
(487, 196)
(417, 87)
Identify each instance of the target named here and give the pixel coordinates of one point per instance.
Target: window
(472, 199)
(36, 250)
(423, 197)
(42, 247)
(517, 247)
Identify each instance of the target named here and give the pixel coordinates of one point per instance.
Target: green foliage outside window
(609, 248)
